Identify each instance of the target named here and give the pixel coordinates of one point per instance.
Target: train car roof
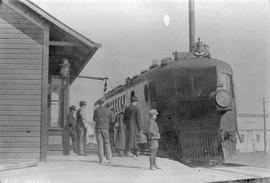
(202, 63)
(190, 63)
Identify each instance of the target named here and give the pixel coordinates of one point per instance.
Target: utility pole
(264, 122)
(264, 125)
(191, 25)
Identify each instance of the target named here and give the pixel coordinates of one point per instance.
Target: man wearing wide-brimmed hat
(132, 120)
(153, 138)
(103, 117)
(81, 129)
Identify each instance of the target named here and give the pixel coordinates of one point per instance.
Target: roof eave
(88, 58)
(59, 24)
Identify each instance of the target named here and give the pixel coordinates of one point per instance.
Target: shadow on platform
(123, 166)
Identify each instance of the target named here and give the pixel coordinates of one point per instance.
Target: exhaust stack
(191, 25)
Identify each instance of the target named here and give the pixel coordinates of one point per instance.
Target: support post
(65, 75)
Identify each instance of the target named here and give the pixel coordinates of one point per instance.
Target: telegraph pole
(191, 25)
(264, 125)
(264, 122)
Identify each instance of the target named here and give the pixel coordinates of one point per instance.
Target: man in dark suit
(103, 117)
(71, 126)
(81, 129)
(132, 120)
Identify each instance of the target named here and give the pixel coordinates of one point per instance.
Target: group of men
(129, 126)
(77, 128)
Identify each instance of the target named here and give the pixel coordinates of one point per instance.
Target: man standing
(103, 117)
(132, 120)
(71, 126)
(120, 135)
(153, 136)
(81, 129)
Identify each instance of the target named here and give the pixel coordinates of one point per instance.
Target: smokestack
(191, 24)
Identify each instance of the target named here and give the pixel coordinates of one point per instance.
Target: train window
(152, 91)
(113, 106)
(224, 81)
(132, 94)
(146, 93)
(115, 100)
(124, 99)
(119, 104)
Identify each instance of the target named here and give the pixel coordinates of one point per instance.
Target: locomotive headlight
(223, 98)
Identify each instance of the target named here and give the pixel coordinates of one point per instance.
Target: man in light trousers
(103, 117)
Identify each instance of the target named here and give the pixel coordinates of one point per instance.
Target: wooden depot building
(39, 58)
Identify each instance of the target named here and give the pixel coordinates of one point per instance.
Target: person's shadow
(112, 164)
(89, 161)
(123, 166)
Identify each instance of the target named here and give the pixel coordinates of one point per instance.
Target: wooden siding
(21, 54)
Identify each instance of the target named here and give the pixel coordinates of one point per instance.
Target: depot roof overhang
(64, 42)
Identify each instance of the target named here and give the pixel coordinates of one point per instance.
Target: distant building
(251, 131)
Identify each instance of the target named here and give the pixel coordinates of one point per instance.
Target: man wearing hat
(132, 120)
(71, 126)
(81, 129)
(103, 117)
(153, 138)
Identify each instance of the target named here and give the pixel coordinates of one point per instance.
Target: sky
(134, 32)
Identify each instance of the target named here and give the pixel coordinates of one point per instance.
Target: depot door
(55, 118)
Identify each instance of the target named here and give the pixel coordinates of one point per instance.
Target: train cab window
(146, 93)
(224, 81)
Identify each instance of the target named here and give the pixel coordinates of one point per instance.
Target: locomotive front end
(204, 128)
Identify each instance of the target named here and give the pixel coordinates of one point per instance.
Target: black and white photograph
(134, 91)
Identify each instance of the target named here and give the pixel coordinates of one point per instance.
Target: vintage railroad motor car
(194, 95)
